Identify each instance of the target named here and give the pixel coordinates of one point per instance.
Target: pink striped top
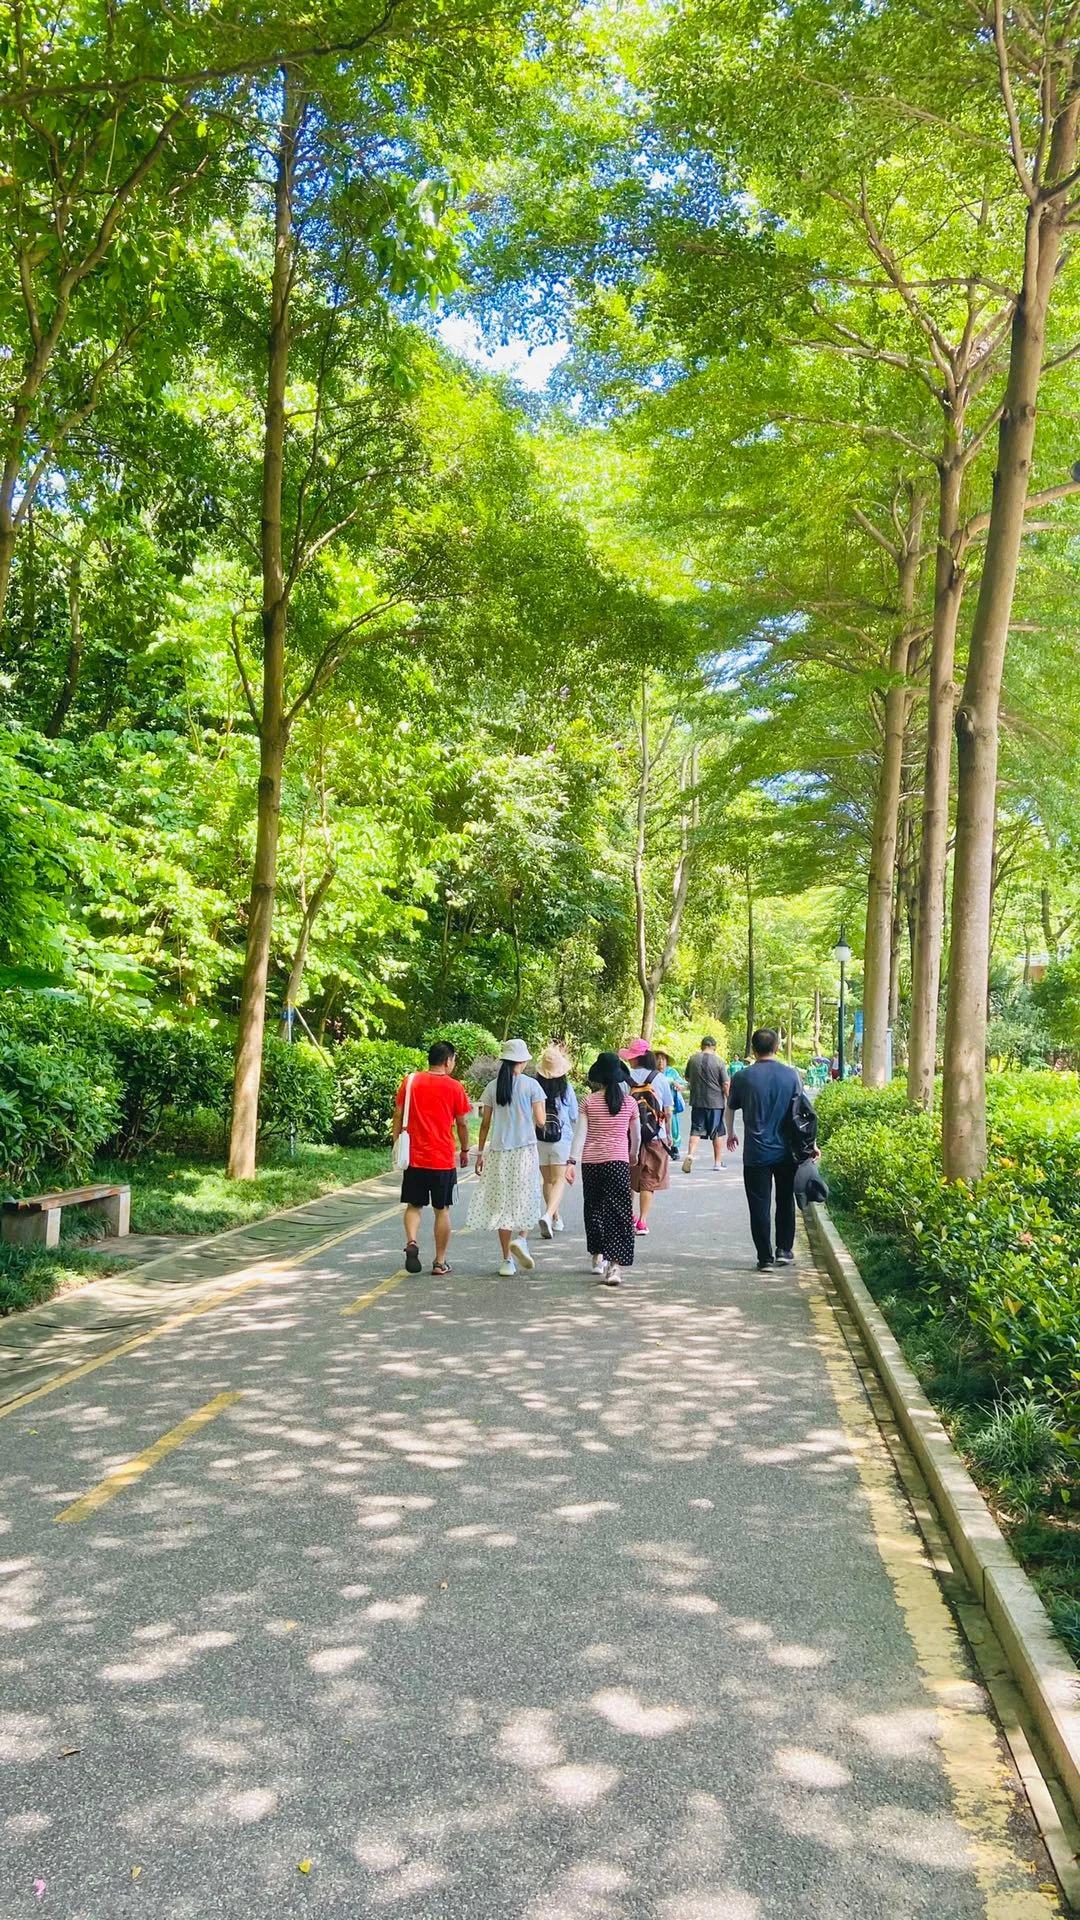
(608, 1136)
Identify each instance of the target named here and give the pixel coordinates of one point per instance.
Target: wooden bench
(37, 1217)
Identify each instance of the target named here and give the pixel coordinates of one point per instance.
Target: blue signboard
(858, 1023)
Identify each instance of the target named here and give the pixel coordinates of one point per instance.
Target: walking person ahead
(437, 1103)
(708, 1079)
(553, 1138)
(650, 1172)
(763, 1093)
(678, 1088)
(607, 1137)
(507, 1195)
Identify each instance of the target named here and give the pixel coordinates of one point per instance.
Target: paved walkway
(189, 1274)
(489, 1600)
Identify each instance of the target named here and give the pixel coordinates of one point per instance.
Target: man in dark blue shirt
(763, 1093)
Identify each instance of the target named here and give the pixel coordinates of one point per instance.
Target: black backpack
(801, 1127)
(650, 1112)
(551, 1131)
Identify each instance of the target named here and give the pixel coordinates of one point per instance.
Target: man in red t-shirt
(437, 1104)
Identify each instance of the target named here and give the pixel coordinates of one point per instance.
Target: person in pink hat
(651, 1171)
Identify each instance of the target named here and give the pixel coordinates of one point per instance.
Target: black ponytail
(554, 1086)
(504, 1085)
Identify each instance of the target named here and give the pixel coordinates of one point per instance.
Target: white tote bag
(403, 1145)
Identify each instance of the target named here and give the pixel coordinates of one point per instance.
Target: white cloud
(532, 367)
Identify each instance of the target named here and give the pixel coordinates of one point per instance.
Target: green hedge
(299, 1091)
(369, 1073)
(1005, 1252)
(161, 1075)
(842, 1101)
(162, 1068)
(473, 1043)
(56, 1110)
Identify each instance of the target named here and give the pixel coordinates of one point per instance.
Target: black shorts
(707, 1122)
(429, 1187)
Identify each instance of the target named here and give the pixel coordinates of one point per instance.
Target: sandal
(441, 1267)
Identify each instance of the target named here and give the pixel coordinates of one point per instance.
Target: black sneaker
(765, 1266)
(413, 1263)
(785, 1259)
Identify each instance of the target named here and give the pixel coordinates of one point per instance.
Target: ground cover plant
(981, 1284)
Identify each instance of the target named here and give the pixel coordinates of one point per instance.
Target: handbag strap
(408, 1099)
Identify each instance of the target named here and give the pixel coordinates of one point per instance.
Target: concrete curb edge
(1044, 1672)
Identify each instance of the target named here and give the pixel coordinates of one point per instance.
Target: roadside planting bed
(981, 1286)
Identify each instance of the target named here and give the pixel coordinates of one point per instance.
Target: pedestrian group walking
(534, 1138)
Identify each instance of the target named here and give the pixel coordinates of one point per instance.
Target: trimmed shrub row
(74, 1082)
(1005, 1252)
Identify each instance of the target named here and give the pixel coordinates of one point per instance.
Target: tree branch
(1016, 140)
(237, 654)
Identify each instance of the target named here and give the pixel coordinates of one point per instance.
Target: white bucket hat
(515, 1050)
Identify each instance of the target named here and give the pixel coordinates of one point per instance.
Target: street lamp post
(842, 953)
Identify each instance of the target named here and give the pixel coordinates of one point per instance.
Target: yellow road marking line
(967, 1739)
(253, 1279)
(384, 1286)
(141, 1463)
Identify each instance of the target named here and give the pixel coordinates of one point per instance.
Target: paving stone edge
(1040, 1662)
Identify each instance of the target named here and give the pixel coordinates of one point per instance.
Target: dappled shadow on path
(495, 1601)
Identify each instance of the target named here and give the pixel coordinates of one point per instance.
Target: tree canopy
(344, 672)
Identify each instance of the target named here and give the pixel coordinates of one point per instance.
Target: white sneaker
(557, 1224)
(521, 1248)
(508, 1268)
(598, 1264)
(611, 1276)
(546, 1229)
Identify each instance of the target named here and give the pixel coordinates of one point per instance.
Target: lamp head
(841, 953)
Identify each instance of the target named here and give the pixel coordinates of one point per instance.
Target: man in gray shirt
(708, 1081)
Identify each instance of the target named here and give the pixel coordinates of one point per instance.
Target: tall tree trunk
(1047, 921)
(877, 947)
(641, 814)
(751, 981)
(651, 978)
(648, 1013)
(897, 928)
(964, 1092)
(12, 511)
(949, 581)
(299, 959)
(325, 1010)
(55, 725)
(273, 729)
(817, 1019)
(515, 936)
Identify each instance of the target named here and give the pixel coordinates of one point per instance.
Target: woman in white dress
(507, 1195)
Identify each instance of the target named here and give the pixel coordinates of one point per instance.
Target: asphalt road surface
(489, 1600)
